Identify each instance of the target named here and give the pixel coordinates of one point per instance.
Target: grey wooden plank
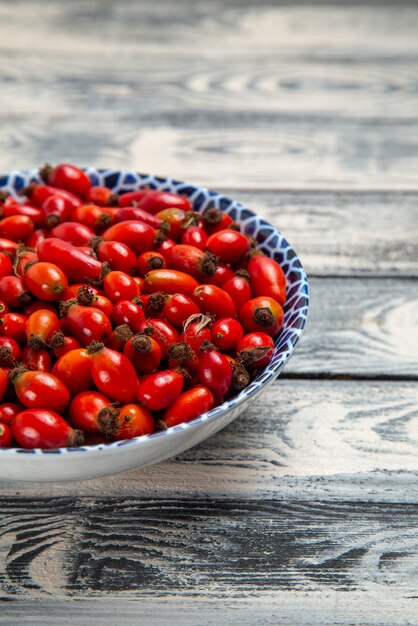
(174, 550)
(284, 83)
(304, 440)
(307, 608)
(344, 233)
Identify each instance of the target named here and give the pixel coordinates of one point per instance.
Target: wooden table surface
(305, 510)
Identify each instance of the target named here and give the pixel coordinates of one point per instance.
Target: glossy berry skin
(188, 406)
(36, 359)
(175, 218)
(267, 278)
(85, 408)
(8, 410)
(36, 389)
(131, 198)
(148, 261)
(6, 265)
(38, 194)
(42, 428)
(251, 344)
(131, 421)
(196, 333)
(215, 372)
(127, 312)
(74, 370)
(34, 213)
(163, 333)
(133, 213)
(5, 436)
(118, 255)
(64, 345)
(195, 236)
(155, 201)
(9, 351)
(229, 245)
(220, 277)
(13, 325)
(4, 379)
(170, 281)
(144, 353)
(23, 261)
(41, 326)
(73, 233)
(215, 220)
(76, 265)
(262, 314)
(120, 286)
(68, 177)
(138, 236)
(92, 216)
(178, 308)
(191, 260)
(113, 374)
(239, 289)
(13, 292)
(214, 301)
(88, 324)
(102, 196)
(37, 236)
(46, 281)
(226, 333)
(17, 228)
(56, 209)
(158, 391)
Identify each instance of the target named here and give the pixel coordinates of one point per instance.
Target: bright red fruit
(68, 177)
(229, 245)
(85, 408)
(267, 278)
(131, 420)
(8, 410)
(226, 333)
(255, 350)
(144, 353)
(188, 406)
(214, 301)
(113, 373)
(154, 201)
(74, 370)
(46, 281)
(5, 436)
(42, 428)
(262, 314)
(37, 389)
(215, 372)
(170, 281)
(158, 391)
(138, 236)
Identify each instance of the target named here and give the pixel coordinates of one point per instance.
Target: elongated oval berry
(267, 278)
(42, 428)
(188, 406)
(158, 391)
(113, 373)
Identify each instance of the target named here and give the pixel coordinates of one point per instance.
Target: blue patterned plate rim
(270, 241)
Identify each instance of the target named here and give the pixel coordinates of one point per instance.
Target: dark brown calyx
(141, 344)
(155, 262)
(248, 356)
(76, 439)
(263, 317)
(65, 305)
(57, 340)
(104, 221)
(122, 333)
(17, 371)
(108, 421)
(192, 218)
(208, 264)
(94, 243)
(25, 298)
(113, 200)
(234, 226)
(240, 376)
(36, 343)
(207, 345)
(6, 356)
(52, 220)
(180, 352)
(252, 241)
(137, 300)
(243, 274)
(3, 195)
(103, 272)
(159, 237)
(86, 295)
(212, 216)
(165, 227)
(253, 252)
(94, 346)
(156, 301)
(199, 319)
(45, 172)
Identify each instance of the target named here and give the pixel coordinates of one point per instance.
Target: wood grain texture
(305, 440)
(349, 234)
(158, 550)
(325, 99)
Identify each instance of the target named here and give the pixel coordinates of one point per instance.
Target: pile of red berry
(123, 314)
